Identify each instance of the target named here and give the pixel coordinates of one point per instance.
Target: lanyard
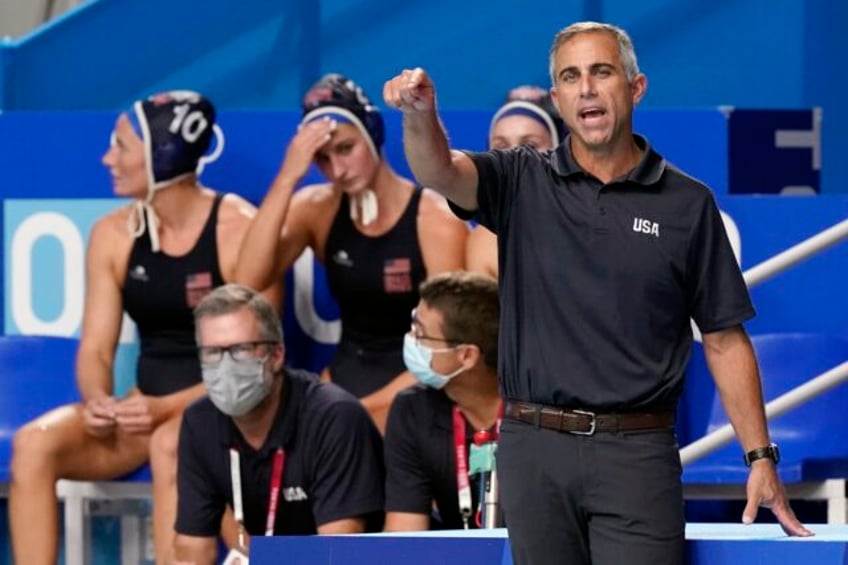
(273, 496)
(486, 436)
(463, 484)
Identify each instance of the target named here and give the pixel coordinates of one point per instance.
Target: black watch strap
(768, 452)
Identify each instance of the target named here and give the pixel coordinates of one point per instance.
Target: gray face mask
(236, 387)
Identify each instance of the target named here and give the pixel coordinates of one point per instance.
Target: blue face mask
(417, 359)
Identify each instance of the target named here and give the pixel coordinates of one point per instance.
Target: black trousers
(606, 499)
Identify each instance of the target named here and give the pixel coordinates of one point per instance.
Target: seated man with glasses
(289, 454)
(433, 472)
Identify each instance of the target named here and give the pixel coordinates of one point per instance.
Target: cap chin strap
(366, 201)
(143, 216)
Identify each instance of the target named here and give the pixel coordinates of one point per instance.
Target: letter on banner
(311, 323)
(33, 228)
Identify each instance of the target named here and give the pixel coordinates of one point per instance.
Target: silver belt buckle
(591, 430)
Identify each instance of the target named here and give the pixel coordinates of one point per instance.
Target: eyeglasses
(213, 354)
(415, 328)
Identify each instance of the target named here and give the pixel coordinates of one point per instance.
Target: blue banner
(775, 151)
(54, 188)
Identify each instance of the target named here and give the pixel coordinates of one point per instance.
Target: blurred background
(263, 54)
(747, 95)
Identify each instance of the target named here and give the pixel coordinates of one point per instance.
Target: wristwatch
(769, 452)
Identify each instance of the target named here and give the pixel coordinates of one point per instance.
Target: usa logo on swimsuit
(397, 275)
(197, 286)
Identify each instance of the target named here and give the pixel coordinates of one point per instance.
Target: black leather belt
(585, 422)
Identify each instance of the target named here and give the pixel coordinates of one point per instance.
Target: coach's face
(592, 92)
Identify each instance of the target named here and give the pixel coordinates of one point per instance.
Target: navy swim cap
(533, 102)
(176, 128)
(342, 99)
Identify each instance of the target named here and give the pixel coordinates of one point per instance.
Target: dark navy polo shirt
(420, 458)
(333, 463)
(598, 282)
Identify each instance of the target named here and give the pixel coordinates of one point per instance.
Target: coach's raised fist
(410, 91)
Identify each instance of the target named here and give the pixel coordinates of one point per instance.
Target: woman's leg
(57, 446)
(229, 528)
(163, 465)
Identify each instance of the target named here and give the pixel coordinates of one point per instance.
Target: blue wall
(263, 54)
(49, 163)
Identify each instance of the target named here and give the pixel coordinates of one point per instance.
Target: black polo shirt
(333, 463)
(420, 458)
(598, 282)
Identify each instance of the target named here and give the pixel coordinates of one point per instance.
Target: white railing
(812, 388)
(780, 405)
(796, 254)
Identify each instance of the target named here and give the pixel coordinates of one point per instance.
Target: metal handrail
(780, 405)
(812, 388)
(796, 254)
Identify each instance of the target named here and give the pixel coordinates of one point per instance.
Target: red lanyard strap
(277, 469)
(463, 484)
(274, 494)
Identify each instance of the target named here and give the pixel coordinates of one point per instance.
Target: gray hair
(625, 45)
(234, 297)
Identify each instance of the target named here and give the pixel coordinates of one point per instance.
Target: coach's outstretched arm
(431, 159)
